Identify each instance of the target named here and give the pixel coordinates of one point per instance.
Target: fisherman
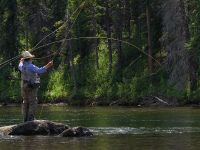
(30, 81)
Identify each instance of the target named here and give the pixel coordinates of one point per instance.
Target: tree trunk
(108, 30)
(120, 55)
(27, 35)
(175, 36)
(97, 53)
(72, 69)
(119, 28)
(128, 17)
(68, 45)
(150, 62)
(11, 29)
(96, 40)
(193, 78)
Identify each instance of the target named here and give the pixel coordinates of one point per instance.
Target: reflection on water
(114, 128)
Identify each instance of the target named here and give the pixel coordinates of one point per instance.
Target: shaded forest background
(140, 48)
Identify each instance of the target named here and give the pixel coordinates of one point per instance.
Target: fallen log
(162, 101)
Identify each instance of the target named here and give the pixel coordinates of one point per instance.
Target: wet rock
(36, 127)
(44, 127)
(76, 132)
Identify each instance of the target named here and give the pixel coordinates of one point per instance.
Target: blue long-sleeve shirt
(32, 68)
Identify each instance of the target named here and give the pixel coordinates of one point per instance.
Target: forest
(104, 51)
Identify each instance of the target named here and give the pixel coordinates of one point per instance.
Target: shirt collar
(27, 62)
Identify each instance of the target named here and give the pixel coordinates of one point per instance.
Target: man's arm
(40, 70)
(36, 69)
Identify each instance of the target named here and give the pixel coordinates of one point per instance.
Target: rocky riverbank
(146, 101)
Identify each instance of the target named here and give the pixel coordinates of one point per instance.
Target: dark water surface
(115, 128)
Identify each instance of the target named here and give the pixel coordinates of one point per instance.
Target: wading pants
(30, 101)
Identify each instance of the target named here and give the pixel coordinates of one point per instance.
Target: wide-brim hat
(27, 54)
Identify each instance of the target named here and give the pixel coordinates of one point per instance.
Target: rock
(36, 127)
(44, 127)
(76, 132)
(6, 130)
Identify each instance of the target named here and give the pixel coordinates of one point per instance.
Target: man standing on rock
(29, 84)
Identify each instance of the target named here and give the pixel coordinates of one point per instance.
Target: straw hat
(27, 54)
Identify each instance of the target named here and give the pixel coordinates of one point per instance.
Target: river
(114, 128)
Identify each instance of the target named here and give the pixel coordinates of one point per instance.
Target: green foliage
(10, 85)
(76, 73)
(57, 86)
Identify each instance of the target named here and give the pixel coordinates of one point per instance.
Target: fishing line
(66, 35)
(65, 23)
(125, 42)
(34, 48)
(58, 51)
(52, 54)
(77, 38)
(8, 61)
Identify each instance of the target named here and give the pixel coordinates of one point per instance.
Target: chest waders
(29, 89)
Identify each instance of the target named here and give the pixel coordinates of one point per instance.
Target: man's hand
(21, 60)
(50, 64)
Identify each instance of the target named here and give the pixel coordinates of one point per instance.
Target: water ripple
(144, 130)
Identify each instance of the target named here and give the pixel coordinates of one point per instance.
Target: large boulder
(43, 127)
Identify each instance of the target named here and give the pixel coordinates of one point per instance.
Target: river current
(114, 128)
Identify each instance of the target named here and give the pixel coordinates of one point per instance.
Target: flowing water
(114, 128)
